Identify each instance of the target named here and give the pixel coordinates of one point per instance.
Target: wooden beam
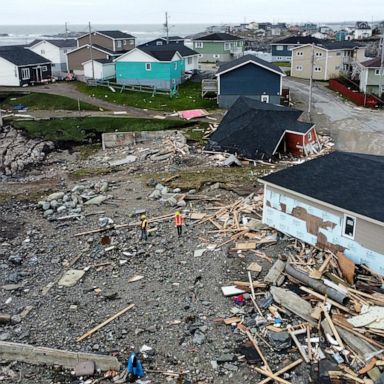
(272, 376)
(283, 370)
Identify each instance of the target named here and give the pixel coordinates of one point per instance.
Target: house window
(173, 81)
(349, 226)
(227, 46)
(338, 53)
(131, 42)
(159, 42)
(300, 53)
(118, 43)
(309, 136)
(125, 42)
(189, 60)
(319, 54)
(65, 50)
(44, 68)
(377, 72)
(317, 69)
(264, 98)
(42, 51)
(175, 65)
(279, 48)
(25, 74)
(148, 66)
(199, 44)
(299, 67)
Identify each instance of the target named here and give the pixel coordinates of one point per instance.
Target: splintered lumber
(247, 285)
(326, 299)
(281, 371)
(333, 328)
(245, 246)
(272, 376)
(347, 267)
(254, 267)
(231, 320)
(301, 349)
(31, 354)
(258, 350)
(318, 273)
(274, 273)
(104, 323)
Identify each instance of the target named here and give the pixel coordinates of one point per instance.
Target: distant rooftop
(218, 37)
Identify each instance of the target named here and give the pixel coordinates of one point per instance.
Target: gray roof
(104, 61)
(241, 60)
(219, 37)
(116, 34)
(297, 40)
(166, 52)
(330, 44)
(61, 43)
(372, 63)
(21, 56)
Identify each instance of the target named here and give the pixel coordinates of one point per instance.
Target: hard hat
(177, 213)
(142, 217)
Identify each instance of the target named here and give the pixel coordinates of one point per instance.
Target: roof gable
(349, 181)
(137, 54)
(68, 43)
(249, 59)
(218, 37)
(21, 56)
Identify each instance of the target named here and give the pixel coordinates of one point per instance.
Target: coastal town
(193, 209)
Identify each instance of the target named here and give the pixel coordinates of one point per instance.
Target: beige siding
(367, 234)
(97, 39)
(76, 58)
(327, 64)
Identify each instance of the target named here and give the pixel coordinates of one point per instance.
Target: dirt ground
(354, 129)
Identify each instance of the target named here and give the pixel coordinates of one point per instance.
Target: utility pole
(66, 30)
(91, 50)
(311, 81)
(381, 70)
(166, 26)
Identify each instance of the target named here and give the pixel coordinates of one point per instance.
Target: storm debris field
(231, 300)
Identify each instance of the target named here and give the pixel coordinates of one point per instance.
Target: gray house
(334, 202)
(249, 76)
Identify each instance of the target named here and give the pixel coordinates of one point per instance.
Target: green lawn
(81, 130)
(189, 98)
(286, 64)
(43, 101)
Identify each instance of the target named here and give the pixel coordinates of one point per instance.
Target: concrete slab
(71, 277)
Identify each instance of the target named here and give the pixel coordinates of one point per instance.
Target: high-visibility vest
(178, 220)
(144, 224)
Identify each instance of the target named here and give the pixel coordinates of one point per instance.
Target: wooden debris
(254, 267)
(281, 371)
(318, 273)
(232, 320)
(104, 323)
(347, 267)
(135, 278)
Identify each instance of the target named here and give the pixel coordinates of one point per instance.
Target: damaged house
(255, 130)
(334, 202)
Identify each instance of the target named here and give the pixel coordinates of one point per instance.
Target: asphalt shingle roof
(19, 55)
(116, 34)
(298, 40)
(372, 63)
(244, 59)
(350, 181)
(253, 129)
(166, 52)
(340, 44)
(219, 37)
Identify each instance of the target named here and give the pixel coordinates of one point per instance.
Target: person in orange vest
(179, 221)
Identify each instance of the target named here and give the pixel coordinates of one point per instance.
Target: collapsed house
(256, 130)
(332, 202)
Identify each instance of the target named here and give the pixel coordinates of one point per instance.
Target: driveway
(354, 128)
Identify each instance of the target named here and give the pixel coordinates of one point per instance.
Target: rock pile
(170, 197)
(17, 152)
(70, 204)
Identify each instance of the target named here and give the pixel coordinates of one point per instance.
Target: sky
(20, 12)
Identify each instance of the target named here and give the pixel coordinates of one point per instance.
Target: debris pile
(18, 152)
(316, 304)
(70, 204)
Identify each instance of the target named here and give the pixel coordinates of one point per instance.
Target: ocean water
(24, 34)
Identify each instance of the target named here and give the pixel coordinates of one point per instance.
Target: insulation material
(193, 113)
(372, 318)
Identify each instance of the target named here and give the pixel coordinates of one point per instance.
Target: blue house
(282, 49)
(249, 76)
(162, 67)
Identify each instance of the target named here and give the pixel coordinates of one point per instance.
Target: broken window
(349, 226)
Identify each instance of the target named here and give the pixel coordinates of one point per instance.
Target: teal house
(162, 67)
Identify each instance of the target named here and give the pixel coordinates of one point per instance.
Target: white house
(56, 52)
(362, 30)
(99, 69)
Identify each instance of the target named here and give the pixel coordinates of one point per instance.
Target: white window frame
(124, 42)
(317, 69)
(42, 51)
(119, 44)
(190, 60)
(159, 42)
(310, 136)
(264, 98)
(227, 46)
(299, 67)
(148, 66)
(345, 224)
(300, 53)
(279, 47)
(25, 74)
(199, 44)
(44, 68)
(377, 72)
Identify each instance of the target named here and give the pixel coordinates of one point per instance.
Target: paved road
(70, 90)
(353, 128)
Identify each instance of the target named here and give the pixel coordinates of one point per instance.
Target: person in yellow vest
(144, 228)
(179, 221)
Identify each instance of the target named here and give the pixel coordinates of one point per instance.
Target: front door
(39, 75)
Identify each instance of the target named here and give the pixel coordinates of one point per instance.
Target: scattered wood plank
(104, 323)
(232, 320)
(272, 376)
(283, 370)
(245, 246)
(254, 267)
(135, 278)
(333, 328)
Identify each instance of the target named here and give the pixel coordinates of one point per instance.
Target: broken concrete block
(85, 368)
(71, 277)
(127, 160)
(199, 252)
(232, 160)
(55, 196)
(274, 274)
(280, 340)
(96, 200)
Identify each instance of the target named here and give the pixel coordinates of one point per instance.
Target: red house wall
(295, 142)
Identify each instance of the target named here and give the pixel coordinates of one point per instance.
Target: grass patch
(87, 150)
(189, 98)
(31, 197)
(80, 130)
(89, 172)
(196, 135)
(43, 101)
(286, 64)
